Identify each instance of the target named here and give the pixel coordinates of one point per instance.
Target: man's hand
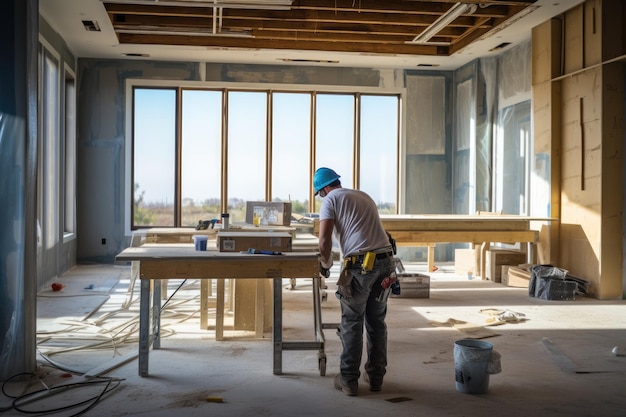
(325, 265)
(325, 272)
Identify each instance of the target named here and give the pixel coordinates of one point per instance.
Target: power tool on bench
(204, 224)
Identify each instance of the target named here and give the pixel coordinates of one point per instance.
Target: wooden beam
(381, 22)
(417, 238)
(252, 43)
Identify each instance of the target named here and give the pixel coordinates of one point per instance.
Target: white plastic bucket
(200, 241)
(471, 365)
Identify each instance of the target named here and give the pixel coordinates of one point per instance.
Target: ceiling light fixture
(91, 26)
(500, 46)
(444, 20)
(135, 54)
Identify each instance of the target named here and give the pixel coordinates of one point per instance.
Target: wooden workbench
(479, 230)
(158, 262)
(303, 240)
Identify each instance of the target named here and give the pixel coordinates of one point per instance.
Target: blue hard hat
(323, 177)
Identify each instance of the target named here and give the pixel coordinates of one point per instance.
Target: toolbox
(228, 241)
(413, 286)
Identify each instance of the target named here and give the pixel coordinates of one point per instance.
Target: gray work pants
(363, 308)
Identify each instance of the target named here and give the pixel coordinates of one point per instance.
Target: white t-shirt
(357, 223)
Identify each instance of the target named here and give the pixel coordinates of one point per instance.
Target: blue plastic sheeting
(12, 236)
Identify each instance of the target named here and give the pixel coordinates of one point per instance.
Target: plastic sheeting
(18, 171)
(484, 134)
(503, 132)
(514, 75)
(464, 132)
(12, 248)
(512, 150)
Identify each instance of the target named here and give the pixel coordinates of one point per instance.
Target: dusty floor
(556, 362)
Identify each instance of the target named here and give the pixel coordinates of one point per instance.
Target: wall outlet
(104, 241)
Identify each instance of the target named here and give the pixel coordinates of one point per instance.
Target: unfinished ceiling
(388, 27)
(394, 33)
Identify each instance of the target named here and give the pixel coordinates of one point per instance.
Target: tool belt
(365, 261)
(358, 259)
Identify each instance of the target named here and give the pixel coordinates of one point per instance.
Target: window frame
(268, 89)
(49, 207)
(69, 116)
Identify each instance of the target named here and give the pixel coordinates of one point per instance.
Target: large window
(56, 161)
(154, 157)
(512, 146)
(69, 218)
(50, 162)
(247, 130)
(201, 159)
(199, 152)
(378, 160)
(291, 133)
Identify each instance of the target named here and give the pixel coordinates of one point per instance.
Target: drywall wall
(101, 149)
(428, 158)
(291, 74)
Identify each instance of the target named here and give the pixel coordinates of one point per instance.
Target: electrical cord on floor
(20, 401)
(106, 337)
(114, 337)
(174, 293)
(118, 335)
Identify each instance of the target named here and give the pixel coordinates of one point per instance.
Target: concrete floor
(557, 362)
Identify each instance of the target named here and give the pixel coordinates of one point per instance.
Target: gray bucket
(471, 363)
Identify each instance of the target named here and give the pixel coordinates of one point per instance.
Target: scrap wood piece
(399, 399)
(498, 316)
(475, 331)
(448, 323)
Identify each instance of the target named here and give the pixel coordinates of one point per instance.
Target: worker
(352, 216)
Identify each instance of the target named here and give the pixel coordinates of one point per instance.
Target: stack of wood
(516, 276)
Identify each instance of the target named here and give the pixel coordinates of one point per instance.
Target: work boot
(376, 383)
(348, 389)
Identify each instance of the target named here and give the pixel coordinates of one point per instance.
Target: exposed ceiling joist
(385, 27)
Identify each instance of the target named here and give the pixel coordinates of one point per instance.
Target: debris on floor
(498, 316)
(618, 351)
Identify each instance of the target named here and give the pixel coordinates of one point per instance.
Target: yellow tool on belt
(368, 262)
